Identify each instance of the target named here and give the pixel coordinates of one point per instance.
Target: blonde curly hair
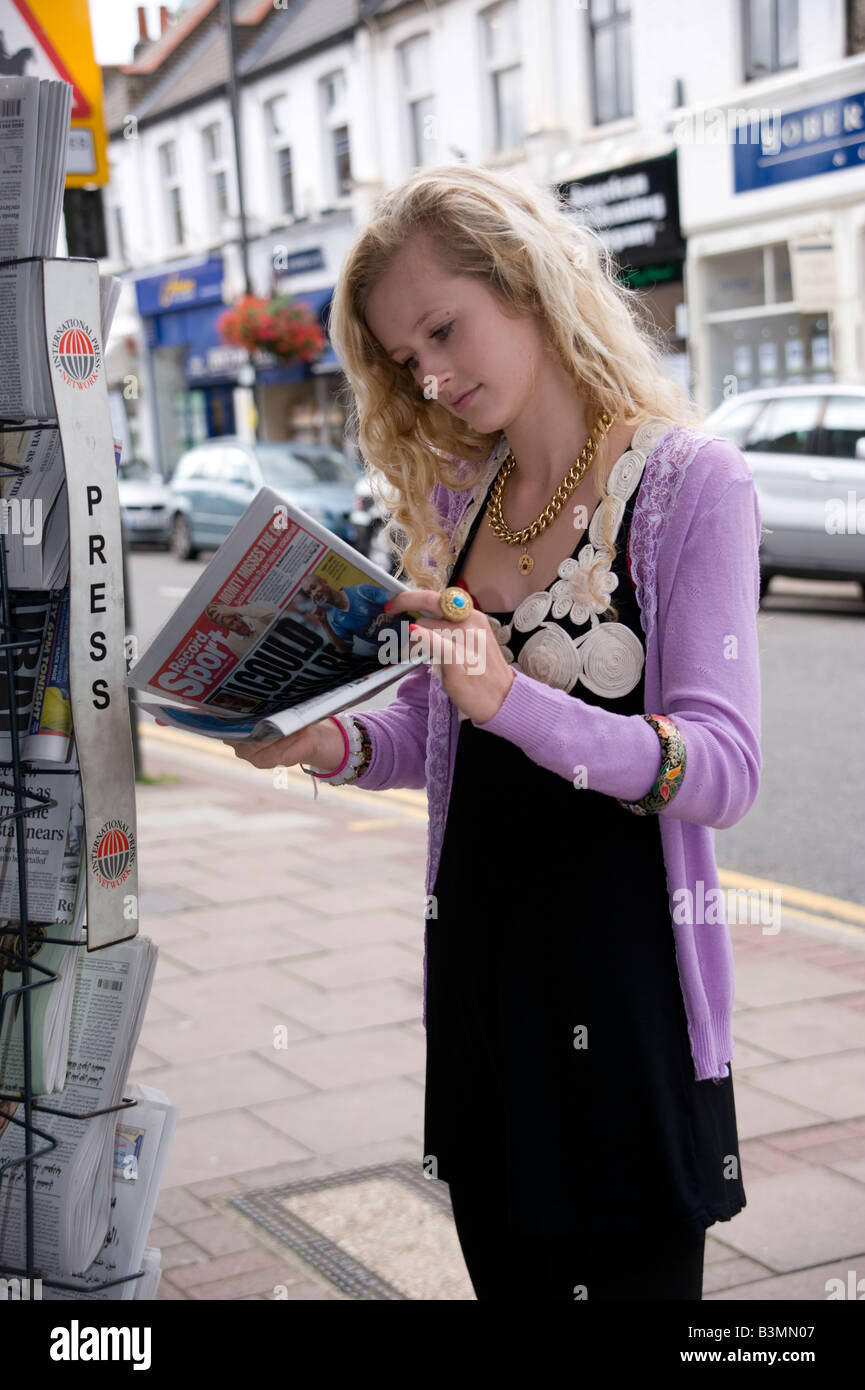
(536, 258)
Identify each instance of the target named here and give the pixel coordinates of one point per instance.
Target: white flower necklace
(609, 658)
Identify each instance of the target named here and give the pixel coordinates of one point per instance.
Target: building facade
(714, 148)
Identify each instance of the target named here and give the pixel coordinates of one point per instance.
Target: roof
(298, 27)
(203, 67)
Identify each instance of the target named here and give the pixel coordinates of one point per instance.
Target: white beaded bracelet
(355, 757)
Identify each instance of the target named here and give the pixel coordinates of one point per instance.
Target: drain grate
(382, 1232)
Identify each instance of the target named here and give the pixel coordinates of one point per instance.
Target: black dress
(558, 1056)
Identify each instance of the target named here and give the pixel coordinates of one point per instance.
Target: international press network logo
(112, 853)
(76, 355)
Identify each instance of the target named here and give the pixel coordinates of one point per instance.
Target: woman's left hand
(473, 671)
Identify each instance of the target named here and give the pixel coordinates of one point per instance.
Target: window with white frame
(414, 61)
(503, 73)
(332, 95)
(610, 26)
(285, 180)
(173, 200)
(770, 36)
(276, 130)
(216, 173)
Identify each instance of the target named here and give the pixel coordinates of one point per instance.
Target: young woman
(578, 967)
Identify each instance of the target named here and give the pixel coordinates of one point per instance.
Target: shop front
(192, 380)
(635, 210)
(301, 402)
(773, 208)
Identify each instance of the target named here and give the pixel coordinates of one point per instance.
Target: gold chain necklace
(525, 563)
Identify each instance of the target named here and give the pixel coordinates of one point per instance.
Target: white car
(145, 504)
(805, 446)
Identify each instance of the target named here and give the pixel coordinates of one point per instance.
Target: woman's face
(451, 336)
(235, 622)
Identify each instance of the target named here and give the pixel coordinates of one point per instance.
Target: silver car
(215, 482)
(805, 446)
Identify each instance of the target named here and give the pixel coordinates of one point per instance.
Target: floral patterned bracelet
(671, 773)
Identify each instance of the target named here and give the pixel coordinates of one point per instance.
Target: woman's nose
(435, 383)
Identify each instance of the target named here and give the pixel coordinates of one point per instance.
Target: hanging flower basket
(279, 326)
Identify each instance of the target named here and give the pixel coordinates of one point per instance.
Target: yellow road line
(214, 749)
(832, 922)
(821, 907)
(821, 903)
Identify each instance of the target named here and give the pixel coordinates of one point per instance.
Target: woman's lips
(462, 401)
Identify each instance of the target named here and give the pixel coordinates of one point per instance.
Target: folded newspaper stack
(142, 1142)
(34, 134)
(285, 626)
(33, 507)
(73, 1180)
(50, 1002)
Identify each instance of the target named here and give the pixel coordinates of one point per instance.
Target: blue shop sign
(184, 287)
(300, 262)
(813, 140)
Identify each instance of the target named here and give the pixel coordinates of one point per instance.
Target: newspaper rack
(70, 443)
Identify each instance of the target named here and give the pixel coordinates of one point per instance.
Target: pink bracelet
(339, 769)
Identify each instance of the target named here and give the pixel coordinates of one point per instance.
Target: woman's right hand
(319, 745)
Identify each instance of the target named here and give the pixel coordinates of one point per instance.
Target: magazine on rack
(285, 626)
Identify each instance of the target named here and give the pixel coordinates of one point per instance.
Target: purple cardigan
(693, 554)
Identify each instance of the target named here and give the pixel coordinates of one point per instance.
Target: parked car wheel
(181, 539)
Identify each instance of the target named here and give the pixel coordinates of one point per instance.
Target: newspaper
(26, 500)
(34, 134)
(46, 831)
(73, 1181)
(141, 1144)
(34, 125)
(50, 1001)
(40, 621)
(285, 626)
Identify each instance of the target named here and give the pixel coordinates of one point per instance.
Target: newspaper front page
(285, 626)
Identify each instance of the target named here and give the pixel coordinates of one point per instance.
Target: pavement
(285, 1024)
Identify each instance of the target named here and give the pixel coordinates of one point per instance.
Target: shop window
(787, 426)
(736, 281)
(755, 336)
(843, 425)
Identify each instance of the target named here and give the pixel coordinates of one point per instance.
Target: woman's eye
(445, 330)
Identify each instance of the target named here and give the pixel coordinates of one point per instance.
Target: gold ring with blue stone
(456, 605)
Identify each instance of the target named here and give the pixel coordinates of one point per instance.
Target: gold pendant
(525, 564)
